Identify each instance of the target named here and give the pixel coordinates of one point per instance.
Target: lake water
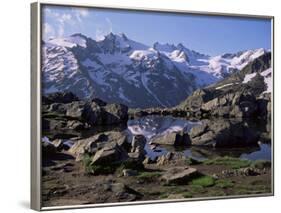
(155, 126)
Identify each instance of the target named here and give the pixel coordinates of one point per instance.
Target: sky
(212, 35)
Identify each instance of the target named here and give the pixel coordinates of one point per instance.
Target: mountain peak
(164, 47)
(79, 35)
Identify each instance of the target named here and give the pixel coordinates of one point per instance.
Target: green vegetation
(163, 196)
(224, 183)
(187, 195)
(91, 168)
(148, 176)
(86, 161)
(261, 164)
(204, 181)
(234, 163)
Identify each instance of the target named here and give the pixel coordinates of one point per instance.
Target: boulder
(199, 130)
(138, 142)
(75, 109)
(112, 153)
(92, 144)
(179, 175)
(115, 113)
(94, 114)
(224, 133)
(75, 125)
(173, 138)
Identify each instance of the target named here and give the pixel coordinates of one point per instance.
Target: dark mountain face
(118, 69)
(241, 93)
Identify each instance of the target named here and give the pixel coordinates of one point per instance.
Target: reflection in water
(154, 126)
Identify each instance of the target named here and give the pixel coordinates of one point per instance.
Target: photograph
(153, 106)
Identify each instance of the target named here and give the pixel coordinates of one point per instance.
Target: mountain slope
(242, 93)
(118, 69)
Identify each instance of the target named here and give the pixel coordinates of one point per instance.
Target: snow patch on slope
(69, 42)
(267, 79)
(249, 77)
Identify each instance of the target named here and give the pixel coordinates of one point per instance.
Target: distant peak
(79, 35)
(164, 47)
(109, 36)
(122, 35)
(181, 46)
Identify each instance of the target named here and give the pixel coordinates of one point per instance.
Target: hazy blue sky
(207, 34)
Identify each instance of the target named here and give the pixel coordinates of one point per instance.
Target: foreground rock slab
(179, 175)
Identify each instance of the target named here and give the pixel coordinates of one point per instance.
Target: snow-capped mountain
(118, 69)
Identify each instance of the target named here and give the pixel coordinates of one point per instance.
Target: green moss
(149, 176)
(204, 181)
(223, 183)
(187, 195)
(234, 163)
(91, 168)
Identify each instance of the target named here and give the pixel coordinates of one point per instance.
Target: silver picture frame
(36, 152)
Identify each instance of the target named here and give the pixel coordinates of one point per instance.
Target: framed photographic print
(138, 105)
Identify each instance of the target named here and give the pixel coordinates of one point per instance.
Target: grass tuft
(234, 163)
(149, 176)
(223, 183)
(204, 181)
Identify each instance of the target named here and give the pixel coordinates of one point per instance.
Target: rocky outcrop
(223, 133)
(79, 115)
(59, 97)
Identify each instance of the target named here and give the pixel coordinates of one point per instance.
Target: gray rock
(75, 125)
(138, 142)
(224, 133)
(179, 175)
(164, 159)
(173, 138)
(122, 191)
(115, 113)
(92, 144)
(75, 109)
(111, 153)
